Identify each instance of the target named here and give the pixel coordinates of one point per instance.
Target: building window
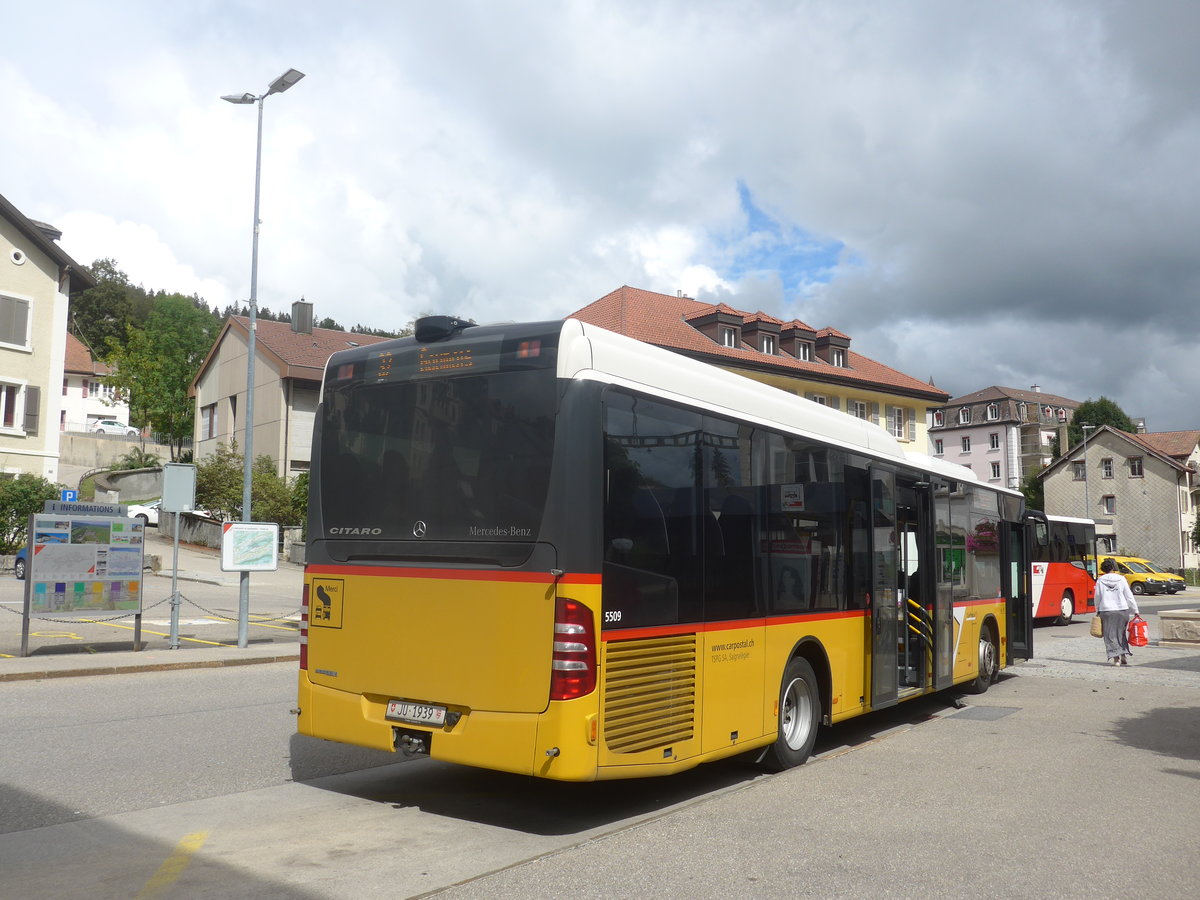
(820, 398)
(895, 422)
(995, 470)
(62, 420)
(208, 421)
(966, 445)
(1135, 467)
(728, 336)
(994, 440)
(993, 412)
(1106, 468)
(859, 410)
(14, 322)
(10, 406)
(768, 344)
(938, 447)
(1062, 414)
(1080, 470)
(64, 387)
(803, 350)
(938, 418)
(964, 416)
(1109, 504)
(837, 357)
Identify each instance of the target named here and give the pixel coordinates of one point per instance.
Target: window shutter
(836, 403)
(810, 396)
(912, 424)
(875, 413)
(33, 398)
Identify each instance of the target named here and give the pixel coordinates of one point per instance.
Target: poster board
(249, 547)
(82, 563)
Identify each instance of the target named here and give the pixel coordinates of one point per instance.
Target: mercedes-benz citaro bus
(553, 550)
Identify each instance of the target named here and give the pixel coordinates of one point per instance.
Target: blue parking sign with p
(69, 496)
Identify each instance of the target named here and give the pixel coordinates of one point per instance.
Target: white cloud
(1000, 179)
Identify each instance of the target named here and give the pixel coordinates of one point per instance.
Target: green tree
(219, 488)
(102, 314)
(1034, 490)
(19, 498)
(1097, 412)
(156, 365)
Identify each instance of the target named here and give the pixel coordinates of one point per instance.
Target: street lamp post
(1087, 503)
(278, 86)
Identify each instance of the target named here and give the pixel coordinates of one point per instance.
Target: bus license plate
(417, 713)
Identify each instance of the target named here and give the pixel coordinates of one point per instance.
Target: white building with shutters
(288, 368)
(37, 279)
(1001, 434)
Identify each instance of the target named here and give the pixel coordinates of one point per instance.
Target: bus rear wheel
(989, 662)
(1067, 608)
(799, 717)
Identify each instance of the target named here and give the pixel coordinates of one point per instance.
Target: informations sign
(81, 563)
(249, 547)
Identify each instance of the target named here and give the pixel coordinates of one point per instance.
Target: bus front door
(902, 617)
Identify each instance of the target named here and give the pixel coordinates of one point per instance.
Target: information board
(249, 547)
(84, 563)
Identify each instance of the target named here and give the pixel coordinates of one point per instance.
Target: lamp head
(239, 98)
(284, 81)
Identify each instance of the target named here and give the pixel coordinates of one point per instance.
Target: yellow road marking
(168, 873)
(165, 634)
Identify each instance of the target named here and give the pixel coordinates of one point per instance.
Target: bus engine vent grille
(649, 693)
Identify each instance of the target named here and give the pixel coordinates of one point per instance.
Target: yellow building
(816, 363)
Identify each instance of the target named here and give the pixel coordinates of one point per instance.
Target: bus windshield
(459, 457)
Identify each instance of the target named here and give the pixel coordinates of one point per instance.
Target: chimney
(1036, 388)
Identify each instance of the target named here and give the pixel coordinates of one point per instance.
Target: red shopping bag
(1139, 632)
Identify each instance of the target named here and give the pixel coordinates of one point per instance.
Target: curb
(122, 669)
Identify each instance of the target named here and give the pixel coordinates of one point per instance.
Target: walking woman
(1115, 605)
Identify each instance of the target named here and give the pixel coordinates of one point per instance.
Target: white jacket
(1113, 593)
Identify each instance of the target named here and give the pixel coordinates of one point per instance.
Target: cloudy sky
(982, 193)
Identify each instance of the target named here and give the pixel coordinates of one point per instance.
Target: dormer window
(1062, 414)
(767, 344)
(938, 419)
(728, 336)
(993, 412)
(804, 350)
(964, 416)
(837, 357)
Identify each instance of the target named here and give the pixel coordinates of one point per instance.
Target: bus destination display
(433, 360)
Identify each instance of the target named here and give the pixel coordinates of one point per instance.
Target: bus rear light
(304, 629)
(573, 669)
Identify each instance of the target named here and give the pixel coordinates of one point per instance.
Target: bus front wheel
(799, 716)
(989, 662)
(1067, 608)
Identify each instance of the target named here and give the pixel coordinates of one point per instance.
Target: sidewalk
(208, 622)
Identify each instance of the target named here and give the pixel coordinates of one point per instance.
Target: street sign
(69, 496)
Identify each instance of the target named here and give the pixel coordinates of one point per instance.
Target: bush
(20, 497)
(219, 488)
(137, 458)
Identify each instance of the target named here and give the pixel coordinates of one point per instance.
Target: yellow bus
(553, 550)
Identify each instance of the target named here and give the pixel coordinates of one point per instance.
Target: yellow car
(1142, 580)
(1175, 583)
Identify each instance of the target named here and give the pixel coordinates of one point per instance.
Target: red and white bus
(1062, 557)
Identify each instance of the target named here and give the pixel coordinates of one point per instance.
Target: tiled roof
(662, 320)
(996, 392)
(307, 351)
(1176, 444)
(79, 360)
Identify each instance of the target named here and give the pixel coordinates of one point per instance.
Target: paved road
(925, 800)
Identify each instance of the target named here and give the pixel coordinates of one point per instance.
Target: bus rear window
(464, 458)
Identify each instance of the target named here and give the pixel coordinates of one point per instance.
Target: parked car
(1175, 583)
(1141, 579)
(21, 563)
(147, 512)
(112, 426)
